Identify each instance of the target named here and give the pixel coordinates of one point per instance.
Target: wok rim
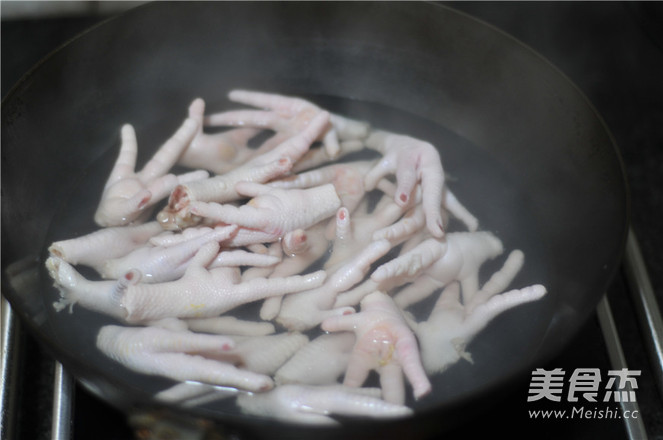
(74, 364)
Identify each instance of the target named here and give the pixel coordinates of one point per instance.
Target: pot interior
(522, 148)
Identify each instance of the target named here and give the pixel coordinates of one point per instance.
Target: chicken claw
(95, 248)
(462, 256)
(273, 211)
(74, 288)
(305, 310)
(159, 264)
(229, 325)
(315, 404)
(260, 169)
(127, 193)
(206, 293)
(322, 361)
(287, 116)
(413, 161)
(450, 327)
(179, 355)
(219, 152)
(385, 343)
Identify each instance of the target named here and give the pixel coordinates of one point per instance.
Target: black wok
(529, 156)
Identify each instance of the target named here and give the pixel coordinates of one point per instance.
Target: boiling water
(473, 175)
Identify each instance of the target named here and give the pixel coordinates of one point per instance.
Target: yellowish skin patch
(386, 358)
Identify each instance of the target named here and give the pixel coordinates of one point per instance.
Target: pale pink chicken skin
(179, 355)
(464, 255)
(265, 354)
(295, 242)
(219, 152)
(428, 265)
(315, 405)
(354, 231)
(347, 179)
(95, 248)
(239, 257)
(99, 296)
(305, 246)
(450, 327)
(385, 343)
(320, 362)
(450, 206)
(412, 161)
(128, 194)
(294, 217)
(299, 248)
(170, 238)
(229, 325)
(308, 246)
(159, 264)
(205, 293)
(272, 212)
(307, 309)
(396, 272)
(286, 116)
(274, 163)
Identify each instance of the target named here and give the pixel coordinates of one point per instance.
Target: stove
(613, 52)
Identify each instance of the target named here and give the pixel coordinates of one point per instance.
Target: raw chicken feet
(385, 343)
(205, 293)
(127, 193)
(315, 404)
(413, 161)
(291, 269)
(179, 355)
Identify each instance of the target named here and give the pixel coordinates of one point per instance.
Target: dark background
(613, 51)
